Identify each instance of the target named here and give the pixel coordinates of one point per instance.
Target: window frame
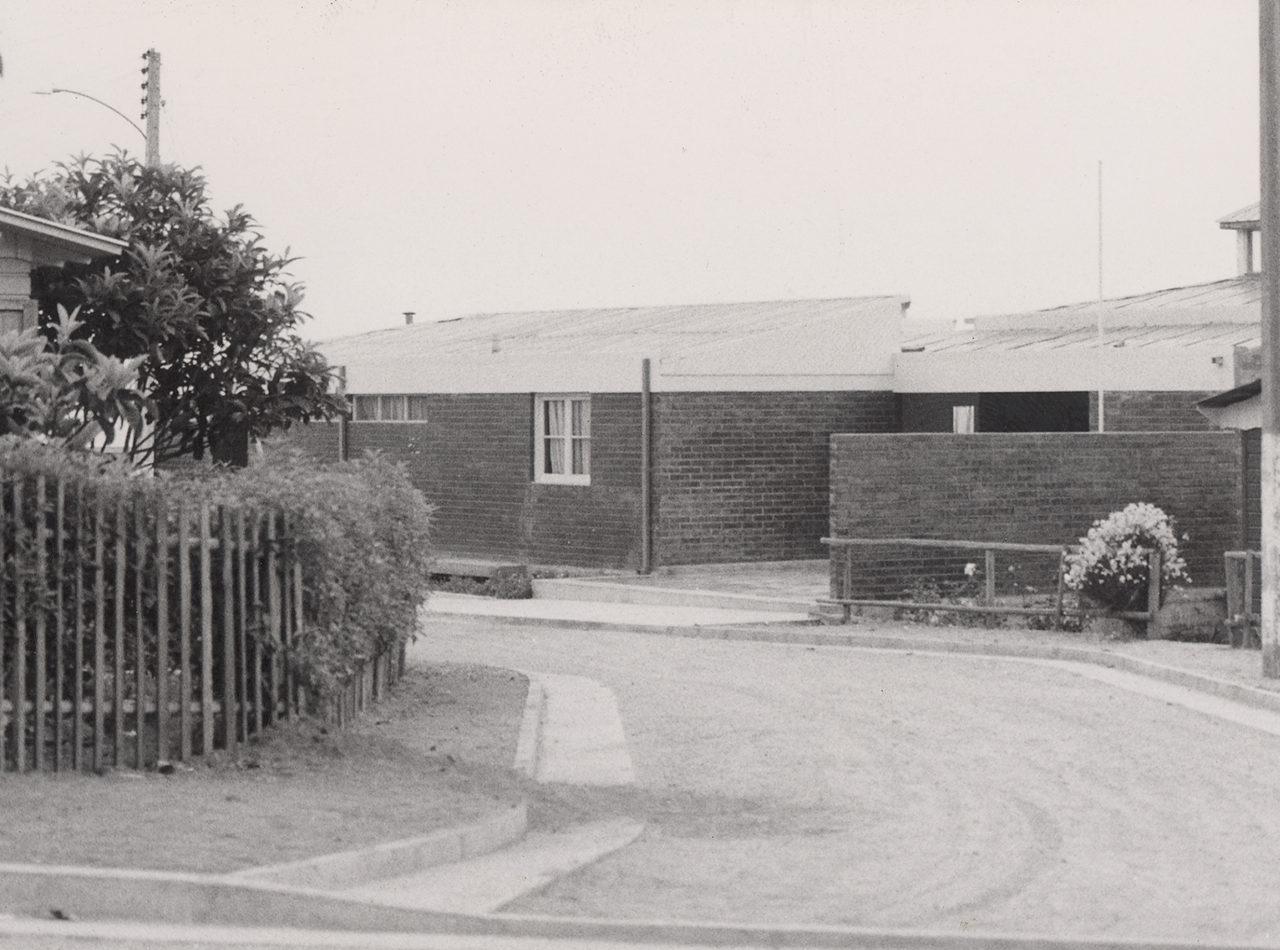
(406, 401)
(964, 419)
(540, 438)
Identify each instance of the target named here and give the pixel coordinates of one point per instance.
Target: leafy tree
(64, 391)
(208, 311)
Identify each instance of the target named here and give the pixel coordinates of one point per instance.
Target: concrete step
(599, 591)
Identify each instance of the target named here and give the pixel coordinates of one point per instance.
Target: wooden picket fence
(138, 632)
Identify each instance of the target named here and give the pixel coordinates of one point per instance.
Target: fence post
(1153, 589)
(230, 709)
(99, 628)
(140, 547)
(59, 621)
(184, 631)
(9, 576)
(162, 631)
(242, 626)
(42, 629)
(206, 632)
(78, 624)
(989, 579)
(117, 698)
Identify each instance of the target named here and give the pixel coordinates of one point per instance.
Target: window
(389, 408)
(962, 419)
(562, 439)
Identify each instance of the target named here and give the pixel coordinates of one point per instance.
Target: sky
(449, 157)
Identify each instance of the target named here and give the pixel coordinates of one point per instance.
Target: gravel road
(801, 785)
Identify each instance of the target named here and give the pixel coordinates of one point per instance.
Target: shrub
(362, 536)
(359, 530)
(1111, 565)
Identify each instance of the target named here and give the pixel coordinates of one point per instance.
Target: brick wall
(1150, 412)
(744, 476)
(1038, 488)
(737, 476)
(473, 459)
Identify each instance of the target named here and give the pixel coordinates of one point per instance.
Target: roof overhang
(54, 244)
(1247, 218)
(1239, 408)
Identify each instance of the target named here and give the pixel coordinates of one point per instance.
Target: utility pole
(1269, 99)
(1102, 396)
(152, 73)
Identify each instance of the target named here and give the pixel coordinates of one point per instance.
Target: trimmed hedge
(360, 530)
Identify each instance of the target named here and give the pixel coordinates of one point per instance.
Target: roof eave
(70, 243)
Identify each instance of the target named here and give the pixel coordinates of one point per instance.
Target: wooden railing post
(42, 629)
(1153, 589)
(206, 632)
(989, 577)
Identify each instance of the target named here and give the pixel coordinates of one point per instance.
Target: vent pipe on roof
(408, 317)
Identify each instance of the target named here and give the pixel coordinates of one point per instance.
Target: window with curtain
(563, 439)
(389, 408)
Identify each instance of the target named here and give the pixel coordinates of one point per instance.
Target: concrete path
(573, 735)
(617, 615)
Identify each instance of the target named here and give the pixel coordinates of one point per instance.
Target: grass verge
(436, 753)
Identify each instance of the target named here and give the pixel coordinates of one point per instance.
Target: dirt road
(788, 784)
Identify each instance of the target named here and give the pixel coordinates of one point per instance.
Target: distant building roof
(1246, 219)
(1182, 338)
(842, 343)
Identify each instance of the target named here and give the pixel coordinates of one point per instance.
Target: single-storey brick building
(624, 437)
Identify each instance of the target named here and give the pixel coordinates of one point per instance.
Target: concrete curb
(718, 632)
(529, 744)
(1222, 689)
(395, 858)
(310, 914)
(578, 589)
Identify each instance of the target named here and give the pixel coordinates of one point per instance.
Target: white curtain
(553, 443)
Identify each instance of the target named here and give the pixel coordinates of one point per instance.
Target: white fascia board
(1120, 369)
(1246, 414)
(53, 244)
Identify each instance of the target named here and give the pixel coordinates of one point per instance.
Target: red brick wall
(473, 459)
(1038, 487)
(1150, 412)
(737, 476)
(744, 476)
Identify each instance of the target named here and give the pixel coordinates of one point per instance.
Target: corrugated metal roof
(1178, 335)
(743, 339)
(1217, 314)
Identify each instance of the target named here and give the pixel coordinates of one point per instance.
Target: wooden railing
(845, 594)
(137, 632)
(1243, 597)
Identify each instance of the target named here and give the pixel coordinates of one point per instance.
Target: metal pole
(646, 461)
(1102, 412)
(1269, 48)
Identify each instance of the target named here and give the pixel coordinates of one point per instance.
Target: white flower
(970, 569)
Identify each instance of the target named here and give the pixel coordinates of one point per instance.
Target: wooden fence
(847, 595)
(138, 631)
(1244, 597)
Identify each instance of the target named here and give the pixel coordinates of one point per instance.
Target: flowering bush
(1112, 563)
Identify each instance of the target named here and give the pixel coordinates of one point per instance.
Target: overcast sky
(481, 155)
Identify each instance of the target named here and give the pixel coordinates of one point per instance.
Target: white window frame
(964, 419)
(381, 413)
(582, 402)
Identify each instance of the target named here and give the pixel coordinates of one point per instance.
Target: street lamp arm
(99, 102)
